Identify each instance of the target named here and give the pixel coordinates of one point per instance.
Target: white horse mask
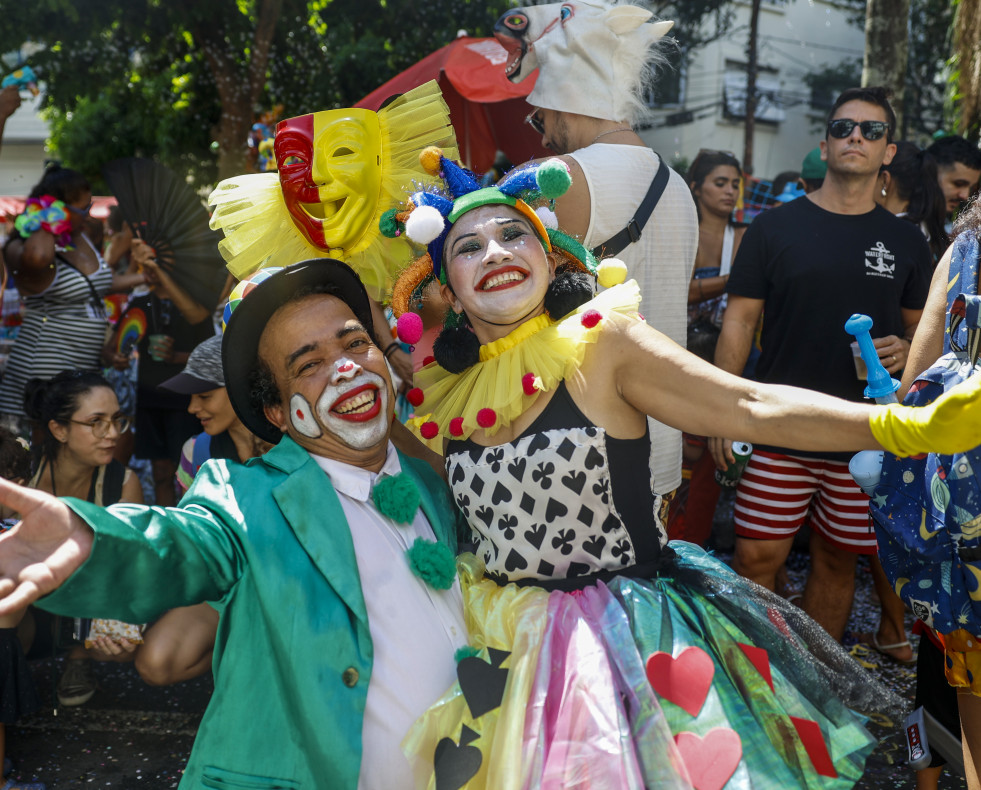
(591, 56)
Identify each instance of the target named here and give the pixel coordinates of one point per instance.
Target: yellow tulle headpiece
(259, 232)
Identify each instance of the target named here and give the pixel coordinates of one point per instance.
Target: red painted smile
(499, 279)
(358, 405)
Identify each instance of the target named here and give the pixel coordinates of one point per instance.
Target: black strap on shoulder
(615, 244)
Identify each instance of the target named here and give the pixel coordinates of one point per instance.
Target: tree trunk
(239, 89)
(967, 34)
(887, 49)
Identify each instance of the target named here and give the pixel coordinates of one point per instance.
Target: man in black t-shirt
(807, 267)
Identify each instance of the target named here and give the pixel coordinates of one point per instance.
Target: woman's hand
(112, 648)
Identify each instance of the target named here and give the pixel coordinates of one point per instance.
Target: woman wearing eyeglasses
(80, 423)
(714, 179)
(62, 278)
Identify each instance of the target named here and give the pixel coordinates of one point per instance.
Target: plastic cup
(860, 370)
(157, 346)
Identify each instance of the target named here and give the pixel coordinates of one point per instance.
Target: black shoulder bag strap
(615, 244)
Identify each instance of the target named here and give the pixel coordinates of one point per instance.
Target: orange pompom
(429, 158)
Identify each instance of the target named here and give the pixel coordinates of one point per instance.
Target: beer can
(730, 477)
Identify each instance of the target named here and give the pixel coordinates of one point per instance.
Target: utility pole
(752, 66)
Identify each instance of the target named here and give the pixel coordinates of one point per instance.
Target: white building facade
(796, 38)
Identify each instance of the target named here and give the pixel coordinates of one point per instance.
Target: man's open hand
(41, 551)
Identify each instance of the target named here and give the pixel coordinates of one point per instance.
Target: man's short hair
(876, 95)
(954, 149)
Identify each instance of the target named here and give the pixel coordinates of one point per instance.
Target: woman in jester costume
(602, 656)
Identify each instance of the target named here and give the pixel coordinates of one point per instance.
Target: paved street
(133, 736)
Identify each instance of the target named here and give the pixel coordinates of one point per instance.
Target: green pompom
(467, 651)
(553, 179)
(388, 225)
(433, 563)
(397, 498)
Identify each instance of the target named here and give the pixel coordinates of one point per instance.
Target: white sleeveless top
(618, 177)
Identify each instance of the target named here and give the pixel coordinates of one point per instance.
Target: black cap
(248, 320)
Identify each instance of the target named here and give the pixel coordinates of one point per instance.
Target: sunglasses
(82, 212)
(535, 121)
(871, 130)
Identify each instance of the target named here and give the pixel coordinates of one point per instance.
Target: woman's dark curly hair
(57, 399)
(62, 183)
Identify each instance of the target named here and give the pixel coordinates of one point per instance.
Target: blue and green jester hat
(430, 213)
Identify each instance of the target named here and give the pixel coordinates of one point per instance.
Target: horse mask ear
(623, 19)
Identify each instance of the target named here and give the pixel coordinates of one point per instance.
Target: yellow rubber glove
(951, 424)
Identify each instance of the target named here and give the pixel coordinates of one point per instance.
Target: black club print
(494, 458)
(602, 489)
(463, 502)
(543, 474)
(507, 525)
(563, 541)
(621, 549)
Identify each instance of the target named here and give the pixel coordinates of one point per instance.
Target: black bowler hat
(249, 317)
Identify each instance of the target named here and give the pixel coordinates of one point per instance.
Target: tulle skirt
(696, 678)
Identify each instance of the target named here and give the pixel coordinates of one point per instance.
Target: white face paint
(354, 406)
(301, 415)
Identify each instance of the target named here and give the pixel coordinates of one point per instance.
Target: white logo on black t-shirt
(877, 261)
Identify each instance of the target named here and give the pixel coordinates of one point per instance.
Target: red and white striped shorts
(776, 492)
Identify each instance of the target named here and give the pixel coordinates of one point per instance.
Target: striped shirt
(63, 328)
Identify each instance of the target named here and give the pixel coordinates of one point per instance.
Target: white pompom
(424, 225)
(548, 218)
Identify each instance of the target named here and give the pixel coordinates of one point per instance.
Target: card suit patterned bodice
(541, 506)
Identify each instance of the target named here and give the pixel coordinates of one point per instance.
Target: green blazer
(267, 541)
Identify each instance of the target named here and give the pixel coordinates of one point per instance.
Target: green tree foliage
(182, 81)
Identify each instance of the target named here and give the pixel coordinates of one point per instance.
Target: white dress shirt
(415, 629)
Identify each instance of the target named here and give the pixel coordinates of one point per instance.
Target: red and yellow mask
(330, 174)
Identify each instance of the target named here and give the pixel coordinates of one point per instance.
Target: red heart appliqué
(711, 760)
(684, 680)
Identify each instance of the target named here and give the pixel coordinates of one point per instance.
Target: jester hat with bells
(593, 58)
(338, 172)
(430, 214)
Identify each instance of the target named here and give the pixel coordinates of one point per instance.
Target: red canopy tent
(486, 109)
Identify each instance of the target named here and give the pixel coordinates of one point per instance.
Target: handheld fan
(167, 214)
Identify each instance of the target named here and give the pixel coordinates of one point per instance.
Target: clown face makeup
(336, 395)
(330, 173)
(497, 269)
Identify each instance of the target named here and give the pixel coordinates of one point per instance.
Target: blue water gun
(24, 79)
(866, 466)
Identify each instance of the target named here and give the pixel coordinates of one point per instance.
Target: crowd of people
(511, 588)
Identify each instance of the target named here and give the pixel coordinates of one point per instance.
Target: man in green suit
(329, 643)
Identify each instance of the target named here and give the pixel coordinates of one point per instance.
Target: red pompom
(528, 384)
(456, 426)
(428, 360)
(591, 318)
(415, 396)
(486, 418)
(429, 430)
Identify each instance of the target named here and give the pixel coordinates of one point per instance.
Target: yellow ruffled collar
(513, 370)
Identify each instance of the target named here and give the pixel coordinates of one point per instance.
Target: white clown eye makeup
(302, 418)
